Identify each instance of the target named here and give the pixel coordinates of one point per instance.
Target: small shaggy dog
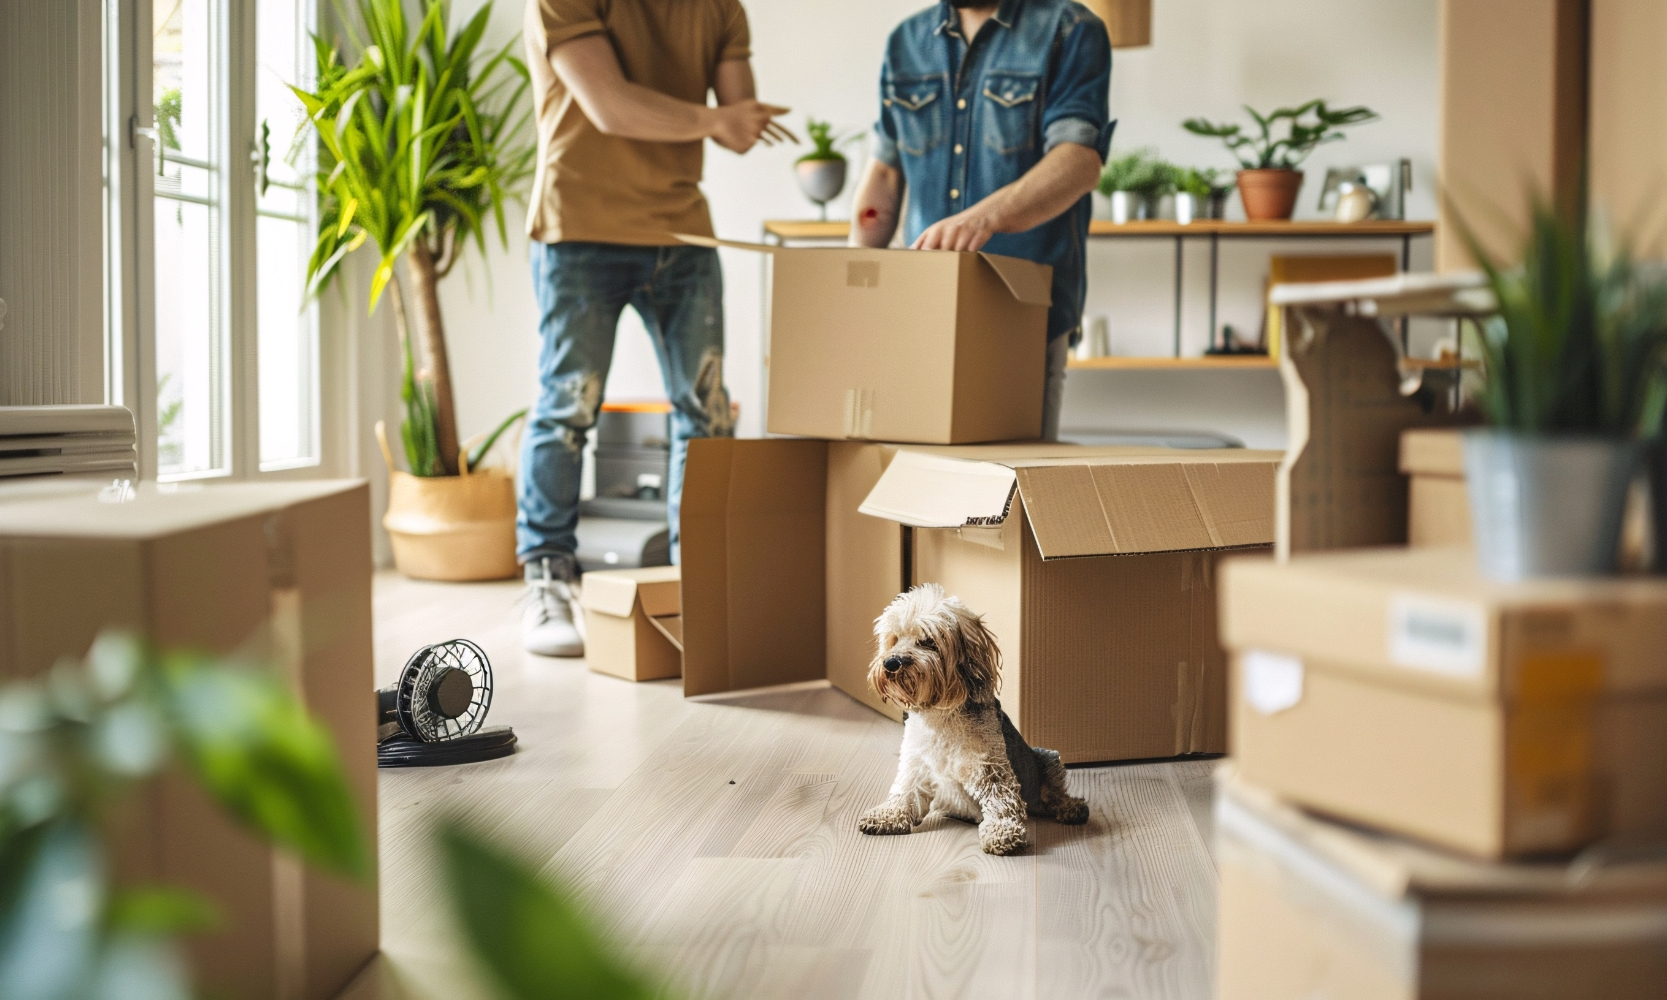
(961, 754)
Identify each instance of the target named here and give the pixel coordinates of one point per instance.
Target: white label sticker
(1272, 681)
(1443, 637)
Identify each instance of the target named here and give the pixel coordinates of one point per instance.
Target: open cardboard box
(633, 627)
(1438, 505)
(1093, 566)
(933, 347)
(279, 571)
(1399, 688)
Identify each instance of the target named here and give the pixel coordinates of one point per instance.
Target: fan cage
(423, 669)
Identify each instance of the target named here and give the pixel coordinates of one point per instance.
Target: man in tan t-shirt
(619, 88)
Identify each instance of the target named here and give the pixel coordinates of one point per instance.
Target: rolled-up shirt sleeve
(885, 128)
(1078, 104)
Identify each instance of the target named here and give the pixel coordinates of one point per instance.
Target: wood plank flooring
(716, 843)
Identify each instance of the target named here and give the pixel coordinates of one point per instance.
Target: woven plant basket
(451, 527)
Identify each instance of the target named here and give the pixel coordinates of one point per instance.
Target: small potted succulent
(821, 171)
(1270, 180)
(1574, 390)
(1134, 182)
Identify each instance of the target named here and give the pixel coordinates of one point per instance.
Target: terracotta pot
(1269, 195)
(450, 527)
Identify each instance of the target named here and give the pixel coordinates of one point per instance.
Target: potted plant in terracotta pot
(1574, 389)
(421, 140)
(1269, 181)
(821, 171)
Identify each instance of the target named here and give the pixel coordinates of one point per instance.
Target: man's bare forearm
(1063, 176)
(874, 207)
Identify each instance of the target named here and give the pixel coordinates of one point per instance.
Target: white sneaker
(547, 628)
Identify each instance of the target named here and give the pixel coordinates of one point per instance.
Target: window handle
(260, 156)
(136, 131)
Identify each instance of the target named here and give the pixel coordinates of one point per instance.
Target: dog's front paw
(1072, 812)
(885, 818)
(1002, 836)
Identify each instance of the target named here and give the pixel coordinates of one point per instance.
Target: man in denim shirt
(994, 117)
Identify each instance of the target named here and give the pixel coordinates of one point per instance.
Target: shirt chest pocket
(917, 107)
(1010, 111)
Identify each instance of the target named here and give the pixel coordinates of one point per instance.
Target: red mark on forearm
(870, 214)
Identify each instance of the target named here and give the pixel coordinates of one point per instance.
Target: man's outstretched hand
(967, 231)
(739, 126)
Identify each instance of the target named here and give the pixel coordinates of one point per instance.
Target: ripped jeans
(582, 288)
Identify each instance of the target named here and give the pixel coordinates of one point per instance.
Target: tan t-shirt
(599, 188)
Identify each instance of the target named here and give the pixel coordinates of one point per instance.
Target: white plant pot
(1188, 208)
(1547, 506)
(821, 180)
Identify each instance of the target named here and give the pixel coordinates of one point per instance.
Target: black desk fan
(435, 713)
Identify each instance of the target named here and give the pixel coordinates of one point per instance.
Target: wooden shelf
(788, 229)
(1215, 361)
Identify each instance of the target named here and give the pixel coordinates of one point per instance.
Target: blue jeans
(582, 288)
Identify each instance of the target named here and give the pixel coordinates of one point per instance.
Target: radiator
(67, 441)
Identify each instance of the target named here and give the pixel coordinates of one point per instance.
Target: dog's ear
(977, 657)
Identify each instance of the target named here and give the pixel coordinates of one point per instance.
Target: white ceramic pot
(1547, 506)
(821, 180)
(1189, 207)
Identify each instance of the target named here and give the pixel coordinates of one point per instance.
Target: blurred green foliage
(1307, 126)
(72, 741)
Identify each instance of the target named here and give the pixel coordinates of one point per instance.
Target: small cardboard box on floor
(632, 624)
(931, 347)
(278, 569)
(1398, 688)
(1310, 909)
(1095, 568)
(1438, 505)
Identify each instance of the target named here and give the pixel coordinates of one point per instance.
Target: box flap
(614, 591)
(1432, 452)
(1030, 282)
(670, 626)
(930, 491)
(714, 242)
(1122, 508)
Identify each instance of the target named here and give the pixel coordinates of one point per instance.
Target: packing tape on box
(859, 413)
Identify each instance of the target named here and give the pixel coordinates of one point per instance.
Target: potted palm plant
(1574, 389)
(423, 138)
(1269, 181)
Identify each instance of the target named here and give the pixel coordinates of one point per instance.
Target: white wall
(821, 57)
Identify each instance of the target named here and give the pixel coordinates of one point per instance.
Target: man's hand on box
(967, 231)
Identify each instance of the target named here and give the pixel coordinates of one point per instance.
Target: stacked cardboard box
(1438, 505)
(278, 570)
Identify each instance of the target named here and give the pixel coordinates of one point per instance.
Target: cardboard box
(1438, 507)
(1398, 688)
(281, 570)
(1310, 909)
(633, 624)
(929, 347)
(791, 549)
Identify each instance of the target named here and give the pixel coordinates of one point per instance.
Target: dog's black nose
(895, 663)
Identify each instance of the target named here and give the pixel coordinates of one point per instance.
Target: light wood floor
(716, 842)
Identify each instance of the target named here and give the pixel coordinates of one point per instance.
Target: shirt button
(955, 192)
(957, 149)
(962, 104)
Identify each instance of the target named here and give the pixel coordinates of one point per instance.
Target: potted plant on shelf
(1270, 180)
(1197, 196)
(423, 139)
(1134, 182)
(1574, 388)
(821, 171)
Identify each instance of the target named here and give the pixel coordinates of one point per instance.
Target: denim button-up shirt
(961, 122)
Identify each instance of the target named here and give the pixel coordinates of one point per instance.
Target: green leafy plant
(1262, 151)
(423, 140)
(1196, 182)
(823, 141)
(1140, 172)
(1578, 343)
(71, 742)
(530, 936)
(167, 113)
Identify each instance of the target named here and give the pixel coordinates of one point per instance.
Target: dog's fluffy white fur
(961, 754)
